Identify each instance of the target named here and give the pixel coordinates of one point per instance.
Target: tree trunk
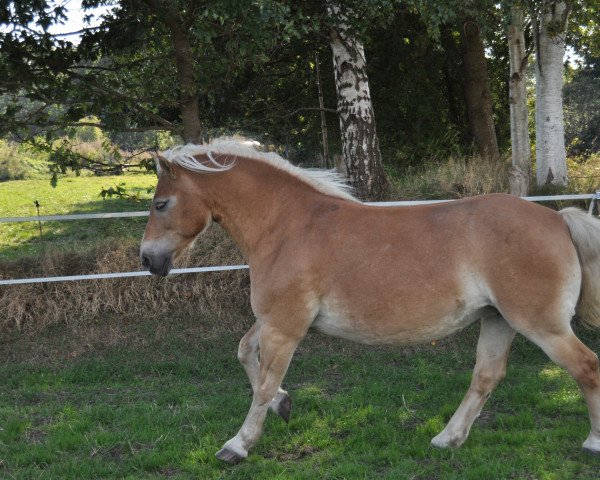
(550, 25)
(325, 136)
(360, 145)
(191, 130)
(477, 92)
(520, 170)
(454, 84)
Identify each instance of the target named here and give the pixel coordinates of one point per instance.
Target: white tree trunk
(549, 35)
(360, 145)
(519, 132)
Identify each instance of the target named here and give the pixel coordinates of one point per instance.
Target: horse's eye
(160, 205)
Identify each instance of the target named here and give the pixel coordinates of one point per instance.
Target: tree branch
(126, 98)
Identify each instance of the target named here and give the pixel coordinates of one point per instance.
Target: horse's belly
(401, 329)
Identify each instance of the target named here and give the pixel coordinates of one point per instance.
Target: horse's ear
(163, 164)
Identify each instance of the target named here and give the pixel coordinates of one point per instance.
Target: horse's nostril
(146, 262)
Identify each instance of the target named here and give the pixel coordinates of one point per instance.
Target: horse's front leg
(276, 350)
(248, 357)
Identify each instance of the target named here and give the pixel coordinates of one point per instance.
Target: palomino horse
(381, 275)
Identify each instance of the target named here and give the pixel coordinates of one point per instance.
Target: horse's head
(178, 214)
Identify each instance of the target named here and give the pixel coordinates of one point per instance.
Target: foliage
(254, 70)
(11, 167)
(18, 162)
(417, 87)
(584, 173)
(107, 74)
(582, 110)
(87, 132)
(584, 30)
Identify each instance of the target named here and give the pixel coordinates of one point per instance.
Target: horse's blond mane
(326, 181)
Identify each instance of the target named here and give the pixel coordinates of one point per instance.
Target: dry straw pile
(33, 308)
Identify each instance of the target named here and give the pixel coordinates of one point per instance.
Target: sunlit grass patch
(71, 195)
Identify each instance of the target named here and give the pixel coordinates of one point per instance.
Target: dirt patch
(298, 452)
(34, 436)
(168, 472)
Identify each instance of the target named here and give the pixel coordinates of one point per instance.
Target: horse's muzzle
(157, 264)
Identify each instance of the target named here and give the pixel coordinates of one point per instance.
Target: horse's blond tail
(585, 233)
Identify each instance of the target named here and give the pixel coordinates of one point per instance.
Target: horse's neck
(256, 204)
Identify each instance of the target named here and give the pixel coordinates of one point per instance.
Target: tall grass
(456, 177)
(459, 177)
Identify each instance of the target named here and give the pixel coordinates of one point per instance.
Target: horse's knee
(248, 346)
(245, 351)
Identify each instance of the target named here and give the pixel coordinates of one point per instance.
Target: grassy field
(110, 392)
(71, 195)
(162, 407)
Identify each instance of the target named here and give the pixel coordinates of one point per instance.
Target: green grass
(72, 195)
(164, 408)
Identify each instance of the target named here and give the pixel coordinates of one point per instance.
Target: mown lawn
(162, 409)
(71, 195)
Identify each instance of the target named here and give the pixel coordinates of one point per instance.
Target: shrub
(584, 173)
(12, 165)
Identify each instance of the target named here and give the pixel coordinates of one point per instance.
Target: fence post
(37, 205)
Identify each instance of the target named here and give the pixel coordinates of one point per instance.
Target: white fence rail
(96, 216)
(77, 216)
(593, 197)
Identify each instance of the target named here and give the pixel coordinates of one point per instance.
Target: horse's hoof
(229, 456)
(438, 443)
(443, 440)
(284, 409)
(596, 453)
(591, 445)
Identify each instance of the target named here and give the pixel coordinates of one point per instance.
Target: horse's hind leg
(490, 367)
(248, 356)
(568, 352)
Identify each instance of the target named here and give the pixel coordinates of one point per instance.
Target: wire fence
(592, 197)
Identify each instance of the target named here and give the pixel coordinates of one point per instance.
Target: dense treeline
(411, 79)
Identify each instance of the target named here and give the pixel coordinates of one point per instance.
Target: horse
(319, 258)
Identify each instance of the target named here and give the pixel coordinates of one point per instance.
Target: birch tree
(360, 145)
(519, 132)
(549, 30)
